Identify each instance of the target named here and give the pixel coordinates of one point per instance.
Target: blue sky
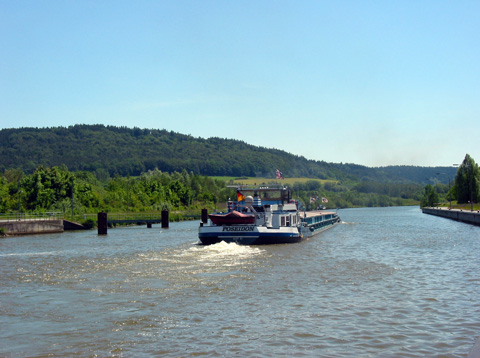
(367, 82)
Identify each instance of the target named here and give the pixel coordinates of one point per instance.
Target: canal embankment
(32, 224)
(466, 216)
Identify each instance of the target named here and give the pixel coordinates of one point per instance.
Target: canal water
(387, 282)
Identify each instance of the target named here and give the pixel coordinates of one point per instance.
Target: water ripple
(387, 283)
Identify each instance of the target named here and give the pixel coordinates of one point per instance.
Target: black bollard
(165, 219)
(204, 216)
(149, 225)
(102, 223)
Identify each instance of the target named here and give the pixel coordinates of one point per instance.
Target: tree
(46, 186)
(430, 197)
(467, 181)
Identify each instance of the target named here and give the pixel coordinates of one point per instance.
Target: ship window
(282, 223)
(288, 220)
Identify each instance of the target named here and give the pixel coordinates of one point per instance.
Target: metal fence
(30, 216)
(6, 217)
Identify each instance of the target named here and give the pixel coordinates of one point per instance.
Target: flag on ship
(278, 174)
(240, 196)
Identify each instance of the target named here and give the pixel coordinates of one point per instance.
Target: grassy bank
(286, 181)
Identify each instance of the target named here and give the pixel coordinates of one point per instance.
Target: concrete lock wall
(458, 215)
(30, 227)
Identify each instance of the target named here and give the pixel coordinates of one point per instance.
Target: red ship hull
(232, 218)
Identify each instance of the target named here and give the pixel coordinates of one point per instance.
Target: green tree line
(361, 194)
(464, 189)
(56, 189)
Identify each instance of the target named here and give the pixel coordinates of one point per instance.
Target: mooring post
(102, 220)
(204, 216)
(165, 219)
(149, 225)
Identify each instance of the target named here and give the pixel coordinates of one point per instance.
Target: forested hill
(127, 151)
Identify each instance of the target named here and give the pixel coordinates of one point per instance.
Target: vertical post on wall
(72, 197)
(204, 216)
(19, 204)
(102, 223)
(165, 219)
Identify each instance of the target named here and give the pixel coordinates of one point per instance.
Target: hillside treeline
(125, 151)
(122, 151)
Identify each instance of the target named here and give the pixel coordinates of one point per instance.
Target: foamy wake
(225, 251)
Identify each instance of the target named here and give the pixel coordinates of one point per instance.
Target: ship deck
(310, 214)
